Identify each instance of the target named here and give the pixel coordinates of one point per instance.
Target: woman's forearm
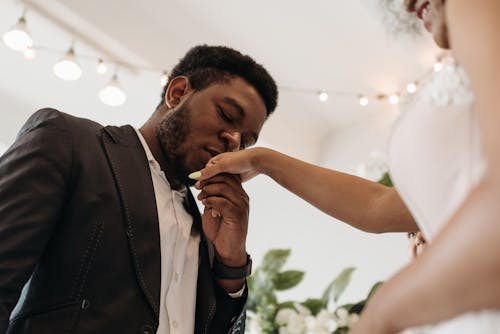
(363, 204)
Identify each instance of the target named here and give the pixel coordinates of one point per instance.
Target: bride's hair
(397, 20)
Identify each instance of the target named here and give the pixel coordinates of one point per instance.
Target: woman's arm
(366, 205)
(460, 269)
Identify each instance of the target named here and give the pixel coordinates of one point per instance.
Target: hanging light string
(100, 61)
(68, 68)
(365, 99)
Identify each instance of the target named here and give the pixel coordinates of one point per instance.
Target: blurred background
(339, 71)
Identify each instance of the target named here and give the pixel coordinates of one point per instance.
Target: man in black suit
(100, 221)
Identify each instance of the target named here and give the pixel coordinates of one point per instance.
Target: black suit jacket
(78, 218)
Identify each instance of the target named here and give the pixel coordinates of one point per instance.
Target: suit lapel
(135, 187)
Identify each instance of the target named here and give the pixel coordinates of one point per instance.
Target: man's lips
(213, 152)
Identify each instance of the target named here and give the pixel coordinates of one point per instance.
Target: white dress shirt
(179, 254)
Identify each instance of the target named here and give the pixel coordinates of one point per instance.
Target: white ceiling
(333, 45)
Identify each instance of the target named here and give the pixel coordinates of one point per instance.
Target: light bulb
(411, 88)
(101, 67)
(323, 96)
(112, 95)
(394, 98)
(164, 79)
(68, 68)
(29, 53)
(363, 100)
(18, 37)
(438, 66)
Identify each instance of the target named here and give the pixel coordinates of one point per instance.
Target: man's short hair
(205, 65)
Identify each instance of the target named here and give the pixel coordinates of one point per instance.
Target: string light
(438, 66)
(17, 37)
(112, 94)
(68, 68)
(394, 98)
(363, 101)
(29, 53)
(101, 67)
(411, 88)
(323, 96)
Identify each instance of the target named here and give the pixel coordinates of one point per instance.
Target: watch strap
(225, 272)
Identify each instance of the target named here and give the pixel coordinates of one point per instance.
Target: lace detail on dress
(448, 87)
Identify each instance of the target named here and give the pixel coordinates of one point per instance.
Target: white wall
(3, 148)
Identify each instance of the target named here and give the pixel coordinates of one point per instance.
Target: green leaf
(251, 282)
(287, 279)
(358, 307)
(260, 298)
(314, 305)
(386, 180)
(373, 289)
(346, 306)
(287, 304)
(274, 260)
(337, 287)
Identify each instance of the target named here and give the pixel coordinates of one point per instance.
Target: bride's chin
(441, 39)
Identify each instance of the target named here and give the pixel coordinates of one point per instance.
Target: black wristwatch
(224, 272)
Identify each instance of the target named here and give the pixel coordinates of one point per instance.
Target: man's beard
(172, 133)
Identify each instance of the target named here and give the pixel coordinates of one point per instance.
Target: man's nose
(233, 140)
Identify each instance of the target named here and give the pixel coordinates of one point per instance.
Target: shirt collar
(152, 161)
(149, 155)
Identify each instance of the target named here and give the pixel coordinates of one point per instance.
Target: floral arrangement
(315, 315)
(375, 168)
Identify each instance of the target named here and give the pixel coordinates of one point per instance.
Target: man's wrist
(232, 272)
(232, 258)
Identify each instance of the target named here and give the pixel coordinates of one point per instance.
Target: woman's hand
(242, 163)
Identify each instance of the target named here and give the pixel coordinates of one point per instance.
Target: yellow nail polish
(195, 175)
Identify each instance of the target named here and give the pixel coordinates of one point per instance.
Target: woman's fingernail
(195, 175)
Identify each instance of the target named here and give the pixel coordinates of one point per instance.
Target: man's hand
(225, 218)
(225, 222)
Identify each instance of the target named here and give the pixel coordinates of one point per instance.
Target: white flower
(284, 315)
(323, 323)
(296, 325)
(304, 311)
(290, 321)
(255, 322)
(374, 168)
(344, 319)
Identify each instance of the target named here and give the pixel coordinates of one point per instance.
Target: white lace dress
(436, 159)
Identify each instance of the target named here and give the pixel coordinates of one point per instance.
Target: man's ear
(178, 89)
